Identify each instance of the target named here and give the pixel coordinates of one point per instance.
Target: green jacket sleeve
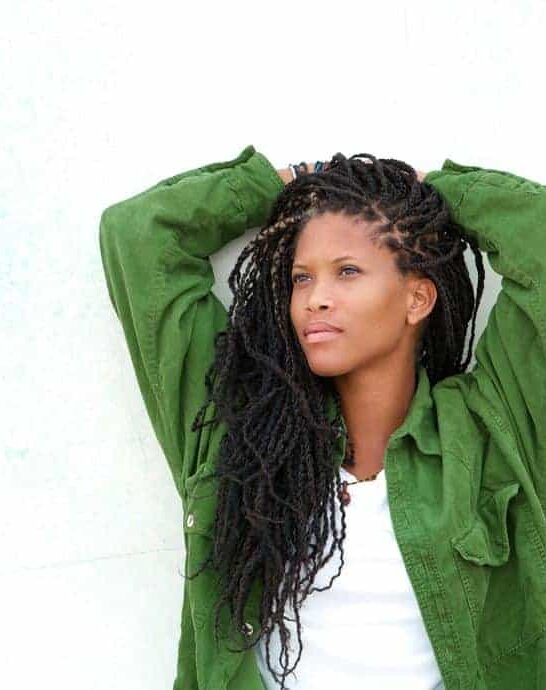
(506, 215)
(155, 249)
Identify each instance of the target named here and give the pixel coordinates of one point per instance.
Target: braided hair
(277, 484)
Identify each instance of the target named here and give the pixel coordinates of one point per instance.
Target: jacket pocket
(500, 561)
(486, 541)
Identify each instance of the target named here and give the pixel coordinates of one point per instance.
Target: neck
(374, 403)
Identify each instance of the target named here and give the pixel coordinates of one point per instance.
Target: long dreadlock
(277, 485)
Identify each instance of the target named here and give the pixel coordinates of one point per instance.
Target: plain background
(99, 101)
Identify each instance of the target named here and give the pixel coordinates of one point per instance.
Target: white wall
(101, 100)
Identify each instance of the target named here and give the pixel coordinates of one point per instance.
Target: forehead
(332, 233)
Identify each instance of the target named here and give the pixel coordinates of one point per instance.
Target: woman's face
(375, 308)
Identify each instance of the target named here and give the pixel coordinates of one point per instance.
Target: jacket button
(190, 520)
(248, 629)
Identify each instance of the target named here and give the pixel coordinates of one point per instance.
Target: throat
(366, 464)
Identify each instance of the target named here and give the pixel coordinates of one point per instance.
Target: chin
(327, 369)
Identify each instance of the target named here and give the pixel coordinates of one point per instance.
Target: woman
(272, 426)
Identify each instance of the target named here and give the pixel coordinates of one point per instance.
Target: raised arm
(506, 215)
(155, 249)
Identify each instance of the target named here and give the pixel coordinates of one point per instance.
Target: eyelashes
(343, 268)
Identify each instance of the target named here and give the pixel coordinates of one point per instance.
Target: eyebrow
(334, 261)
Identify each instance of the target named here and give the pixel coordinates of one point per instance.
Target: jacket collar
(419, 423)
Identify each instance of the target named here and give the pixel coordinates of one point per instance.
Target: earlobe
(414, 312)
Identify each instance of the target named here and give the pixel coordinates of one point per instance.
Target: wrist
(286, 173)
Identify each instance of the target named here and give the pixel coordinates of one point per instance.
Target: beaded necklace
(345, 496)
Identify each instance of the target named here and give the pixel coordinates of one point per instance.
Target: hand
(286, 175)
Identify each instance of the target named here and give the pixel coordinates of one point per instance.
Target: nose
(319, 298)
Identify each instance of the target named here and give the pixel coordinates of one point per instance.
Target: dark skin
(381, 314)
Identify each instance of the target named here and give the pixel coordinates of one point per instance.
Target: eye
(296, 276)
(350, 268)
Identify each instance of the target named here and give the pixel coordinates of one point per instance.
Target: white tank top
(366, 631)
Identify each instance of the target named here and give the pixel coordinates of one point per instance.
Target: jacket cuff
(453, 181)
(257, 185)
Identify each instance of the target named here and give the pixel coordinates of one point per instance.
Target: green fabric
(465, 471)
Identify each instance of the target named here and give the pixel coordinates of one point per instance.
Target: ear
(422, 295)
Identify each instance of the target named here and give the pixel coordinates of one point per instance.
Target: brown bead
(345, 497)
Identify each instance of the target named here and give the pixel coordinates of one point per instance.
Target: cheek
(381, 313)
(373, 304)
(292, 311)
(297, 307)
(295, 318)
(380, 309)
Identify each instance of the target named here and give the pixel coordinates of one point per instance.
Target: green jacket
(466, 471)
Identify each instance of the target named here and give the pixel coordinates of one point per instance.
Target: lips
(321, 327)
